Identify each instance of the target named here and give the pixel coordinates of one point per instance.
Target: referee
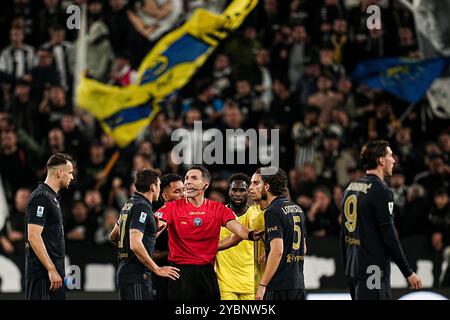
(44, 233)
(369, 240)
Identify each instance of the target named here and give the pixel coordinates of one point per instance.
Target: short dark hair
(370, 153)
(239, 176)
(203, 170)
(144, 178)
(168, 178)
(277, 182)
(58, 159)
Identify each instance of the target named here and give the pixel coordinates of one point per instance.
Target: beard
(263, 195)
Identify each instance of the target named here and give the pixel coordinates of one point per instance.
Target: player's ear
(164, 196)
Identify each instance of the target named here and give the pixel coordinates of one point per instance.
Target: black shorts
(195, 283)
(359, 290)
(160, 285)
(39, 289)
(136, 291)
(292, 294)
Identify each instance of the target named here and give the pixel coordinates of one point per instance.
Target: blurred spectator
(206, 102)
(307, 84)
(284, 109)
(444, 144)
(155, 17)
(241, 48)
(55, 143)
(94, 202)
(80, 225)
(409, 158)
(440, 220)
(247, 101)
(413, 219)
(119, 26)
(75, 141)
(330, 66)
(12, 237)
(380, 122)
(22, 17)
(49, 16)
(108, 221)
(299, 53)
(436, 176)
(17, 59)
(263, 79)
(44, 74)
(340, 42)
(61, 50)
(91, 174)
(303, 181)
(306, 136)
(16, 165)
(24, 110)
(222, 76)
(325, 98)
(332, 163)
(322, 215)
(55, 104)
(122, 74)
(157, 140)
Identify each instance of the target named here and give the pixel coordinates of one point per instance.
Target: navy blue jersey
(368, 236)
(44, 210)
(136, 214)
(285, 220)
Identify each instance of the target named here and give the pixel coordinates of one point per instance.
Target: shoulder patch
(142, 217)
(40, 211)
(391, 207)
(158, 214)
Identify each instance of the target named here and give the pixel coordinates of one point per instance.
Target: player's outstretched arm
(243, 232)
(228, 242)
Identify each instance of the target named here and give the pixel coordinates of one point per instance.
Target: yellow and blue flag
(407, 79)
(124, 111)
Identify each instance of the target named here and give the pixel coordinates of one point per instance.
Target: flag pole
(107, 169)
(403, 117)
(81, 53)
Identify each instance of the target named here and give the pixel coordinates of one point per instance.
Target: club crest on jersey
(198, 222)
(40, 211)
(142, 217)
(391, 207)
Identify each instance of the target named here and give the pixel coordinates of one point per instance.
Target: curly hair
(277, 182)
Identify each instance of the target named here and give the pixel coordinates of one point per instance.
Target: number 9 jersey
(368, 236)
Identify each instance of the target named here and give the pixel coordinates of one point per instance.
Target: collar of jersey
(49, 189)
(141, 196)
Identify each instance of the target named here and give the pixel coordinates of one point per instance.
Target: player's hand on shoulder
(414, 282)
(168, 272)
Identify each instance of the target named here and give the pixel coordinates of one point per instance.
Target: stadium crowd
(287, 67)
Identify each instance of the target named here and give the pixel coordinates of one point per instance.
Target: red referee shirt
(194, 232)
